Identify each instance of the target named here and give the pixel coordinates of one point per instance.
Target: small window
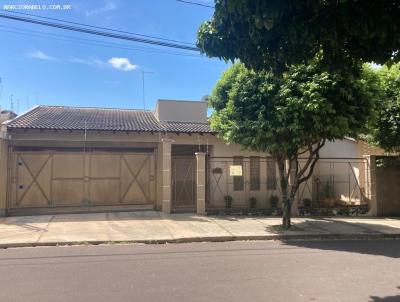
(238, 183)
(254, 173)
(271, 174)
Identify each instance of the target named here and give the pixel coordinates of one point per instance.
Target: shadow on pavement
(385, 299)
(338, 226)
(387, 247)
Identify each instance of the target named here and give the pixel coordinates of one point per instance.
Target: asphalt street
(231, 271)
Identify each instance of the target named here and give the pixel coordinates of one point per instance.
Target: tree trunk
(286, 222)
(286, 204)
(299, 176)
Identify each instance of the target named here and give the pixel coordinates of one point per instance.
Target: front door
(184, 183)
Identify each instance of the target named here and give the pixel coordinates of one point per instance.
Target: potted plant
(274, 201)
(307, 202)
(253, 202)
(228, 201)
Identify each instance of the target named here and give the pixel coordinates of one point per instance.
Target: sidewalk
(154, 227)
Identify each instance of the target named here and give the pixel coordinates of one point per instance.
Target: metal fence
(335, 183)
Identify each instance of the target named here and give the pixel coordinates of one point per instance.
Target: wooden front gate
(59, 179)
(184, 182)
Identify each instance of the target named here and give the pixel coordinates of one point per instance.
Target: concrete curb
(281, 237)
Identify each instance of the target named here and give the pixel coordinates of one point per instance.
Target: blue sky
(38, 65)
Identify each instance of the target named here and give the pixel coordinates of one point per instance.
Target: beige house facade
(57, 159)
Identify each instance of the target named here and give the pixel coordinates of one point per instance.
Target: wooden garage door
(59, 179)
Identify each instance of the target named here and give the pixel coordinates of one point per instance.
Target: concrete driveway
(151, 226)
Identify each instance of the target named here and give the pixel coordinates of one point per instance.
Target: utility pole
(143, 94)
(12, 103)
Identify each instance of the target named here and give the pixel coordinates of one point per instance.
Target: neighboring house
(5, 115)
(341, 173)
(67, 159)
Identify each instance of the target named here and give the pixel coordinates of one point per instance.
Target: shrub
(228, 201)
(274, 201)
(253, 202)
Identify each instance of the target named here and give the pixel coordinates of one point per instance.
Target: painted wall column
(201, 183)
(3, 175)
(166, 176)
(370, 184)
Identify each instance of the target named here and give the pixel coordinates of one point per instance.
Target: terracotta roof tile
(101, 119)
(185, 126)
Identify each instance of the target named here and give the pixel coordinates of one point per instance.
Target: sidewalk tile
(77, 228)
(23, 229)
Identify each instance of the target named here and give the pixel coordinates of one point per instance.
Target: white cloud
(117, 63)
(92, 62)
(122, 64)
(106, 8)
(39, 55)
(79, 61)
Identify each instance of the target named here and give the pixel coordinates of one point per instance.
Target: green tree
(274, 34)
(289, 117)
(385, 128)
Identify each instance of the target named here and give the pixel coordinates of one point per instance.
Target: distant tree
(274, 34)
(289, 117)
(385, 128)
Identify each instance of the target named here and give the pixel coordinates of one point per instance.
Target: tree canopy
(385, 129)
(289, 116)
(264, 113)
(274, 34)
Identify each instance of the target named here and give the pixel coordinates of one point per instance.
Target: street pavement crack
(220, 226)
(46, 228)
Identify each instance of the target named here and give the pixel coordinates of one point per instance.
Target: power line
(102, 28)
(92, 42)
(98, 32)
(196, 3)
